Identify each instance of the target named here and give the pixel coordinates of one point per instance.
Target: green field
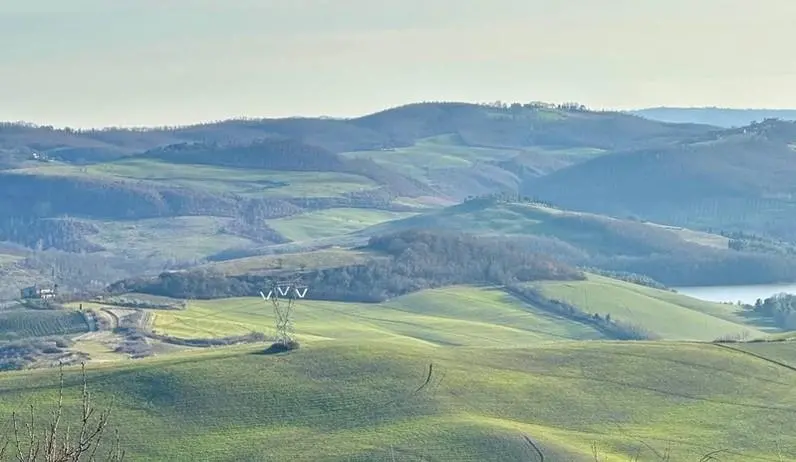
(324, 258)
(464, 316)
(166, 237)
(245, 182)
(783, 336)
(500, 369)
(522, 218)
(698, 237)
(504, 218)
(471, 316)
(447, 152)
(670, 315)
(331, 222)
(432, 153)
(17, 324)
(355, 400)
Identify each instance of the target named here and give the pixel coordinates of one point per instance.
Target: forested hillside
(738, 180)
(671, 255)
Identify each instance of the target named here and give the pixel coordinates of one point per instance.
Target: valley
(484, 282)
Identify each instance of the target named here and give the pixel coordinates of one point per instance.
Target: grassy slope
(438, 152)
(451, 316)
(354, 401)
(183, 238)
(245, 182)
(331, 222)
(471, 316)
(521, 218)
(166, 237)
(40, 323)
(447, 162)
(500, 369)
(734, 181)
(324, 258)
(671, 315)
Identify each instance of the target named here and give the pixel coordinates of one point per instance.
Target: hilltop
(495, 125)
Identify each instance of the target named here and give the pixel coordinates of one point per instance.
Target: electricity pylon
(283, 295)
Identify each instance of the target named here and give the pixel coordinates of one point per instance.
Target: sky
(90, 63)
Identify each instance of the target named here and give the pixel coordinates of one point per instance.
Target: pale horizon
(91, 64)
(188, 123)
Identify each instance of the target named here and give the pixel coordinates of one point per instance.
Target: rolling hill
(738, 180)
(85, 191)
(481, 277)
(669, 254)
(391, 399)
(593, 233)
(456, 373)
(475, 316)
(458, 315)
(666, 314)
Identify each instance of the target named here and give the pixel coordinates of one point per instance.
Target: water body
(745, 294)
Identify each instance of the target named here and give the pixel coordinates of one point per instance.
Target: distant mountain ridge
(719, 117)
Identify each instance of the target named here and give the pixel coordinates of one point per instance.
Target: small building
(39, 292)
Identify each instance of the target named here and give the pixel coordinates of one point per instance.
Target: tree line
(412, 261)
(780, 308)
(610, 327)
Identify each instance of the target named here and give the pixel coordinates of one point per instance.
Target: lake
(746, 294)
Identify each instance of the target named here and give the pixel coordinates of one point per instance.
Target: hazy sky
(100, 62)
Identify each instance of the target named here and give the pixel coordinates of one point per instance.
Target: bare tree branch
(54, 444)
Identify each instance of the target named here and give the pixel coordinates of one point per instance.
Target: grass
(791, 335)
(459, 315)
(500, 369)
(438, 152)
(354, 400)
(447, 152)
(501, 218)
(331, 222)
(521, 218)
(166, 237)
(324, 258)
(245, 182)
(472, 316)
(670, 315)
(16, 324)
(698, 237)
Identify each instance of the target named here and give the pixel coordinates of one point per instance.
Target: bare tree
(60, 441)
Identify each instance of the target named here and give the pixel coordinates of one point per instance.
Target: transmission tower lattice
(282, 294)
